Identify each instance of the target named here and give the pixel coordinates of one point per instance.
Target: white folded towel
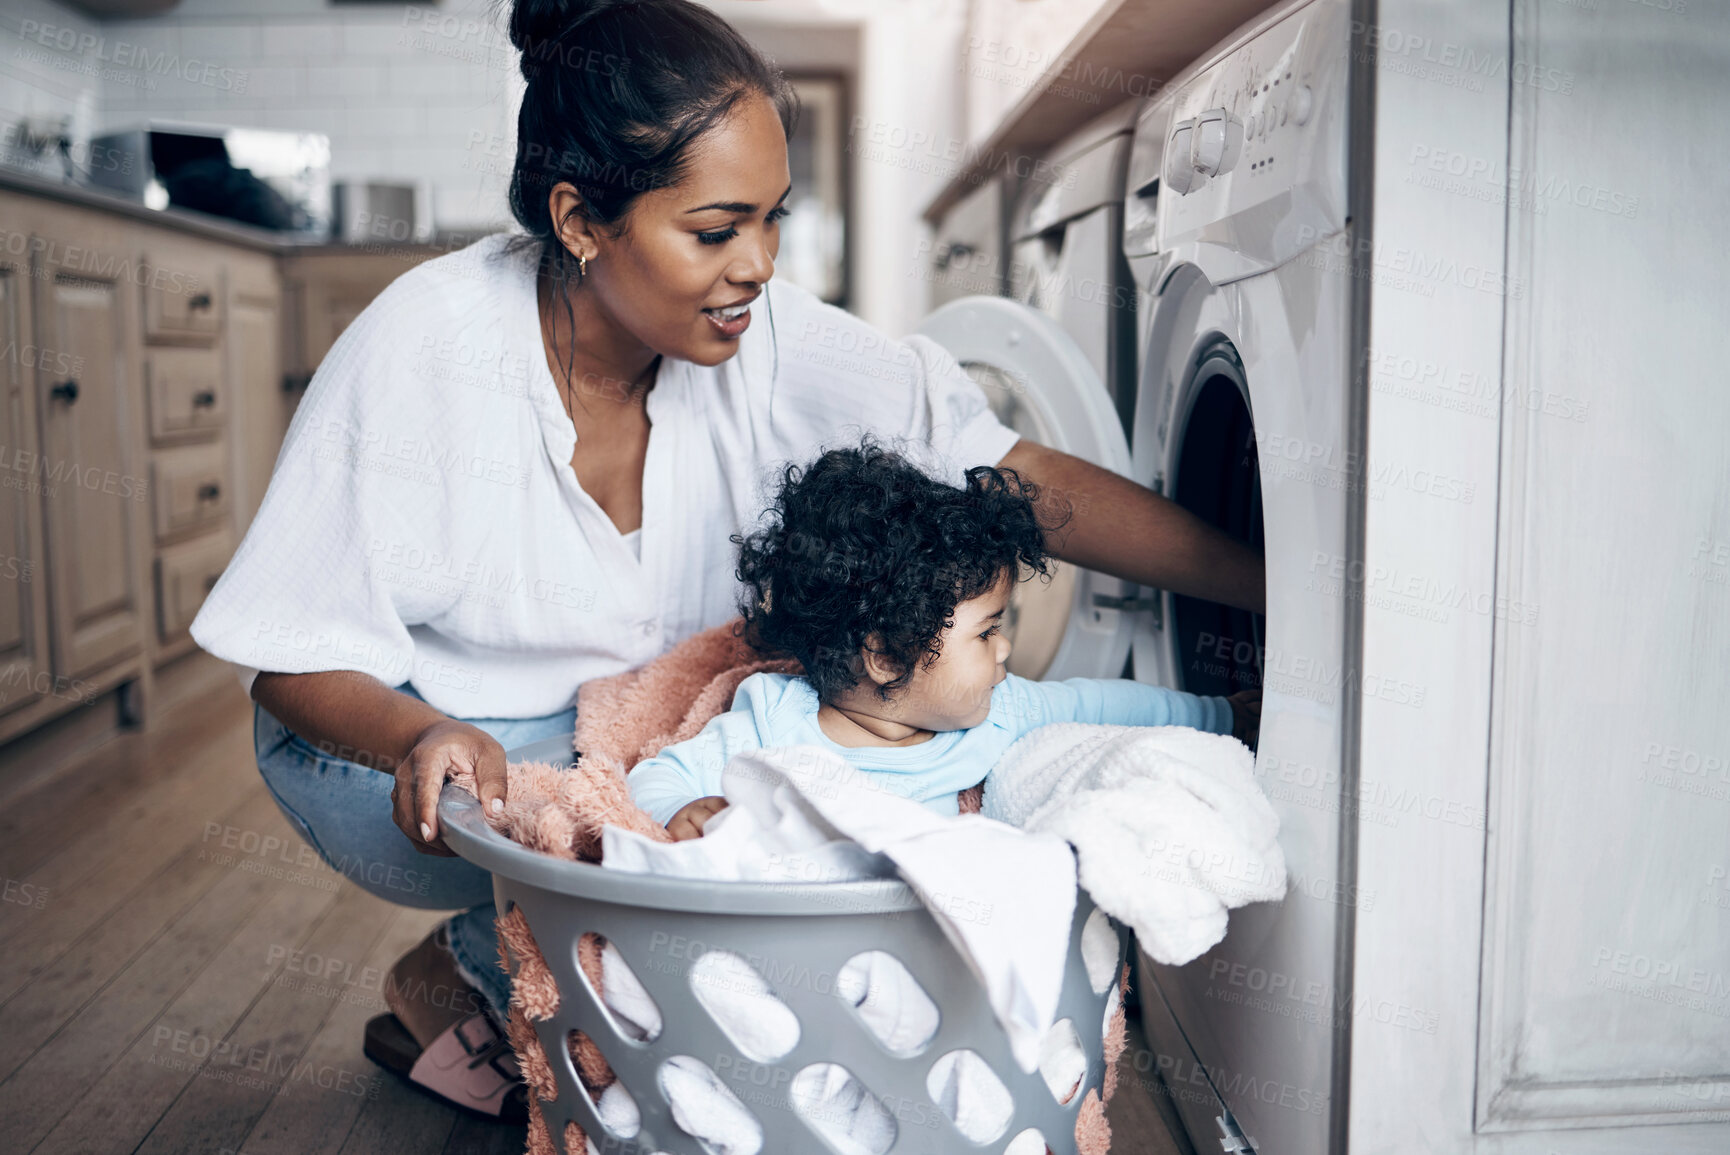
(1168, 824)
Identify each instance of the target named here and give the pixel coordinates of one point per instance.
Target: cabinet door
(91, 488)
(254, 332)
(23, 600)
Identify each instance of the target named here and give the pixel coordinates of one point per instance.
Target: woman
(520, 468)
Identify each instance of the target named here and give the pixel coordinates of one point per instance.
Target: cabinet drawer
(182, 302)
(186, 397)
(184, 577)
(191, 487)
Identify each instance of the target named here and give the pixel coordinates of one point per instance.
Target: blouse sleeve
(304, 592)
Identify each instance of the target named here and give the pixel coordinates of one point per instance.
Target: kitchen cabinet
(150, 363)
(182, 305)
(185, 393)
(255, 370)
(23, 595)
(89, 480)
(326, 289)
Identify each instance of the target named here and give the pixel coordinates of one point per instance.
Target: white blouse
(424, 525)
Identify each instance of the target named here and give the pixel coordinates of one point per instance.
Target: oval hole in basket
(739, 1000)
(842, 1110)
(628, 1007)
(1029, 1142)
(890, 1002)
(1062, 1062)
(1111, 1007)
(706, 1109)
(615, 1104)
(971, 1094)
(1099, 949)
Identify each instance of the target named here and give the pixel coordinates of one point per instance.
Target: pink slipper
(470, 1065)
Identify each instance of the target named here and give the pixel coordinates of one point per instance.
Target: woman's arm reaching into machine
(1118, 527)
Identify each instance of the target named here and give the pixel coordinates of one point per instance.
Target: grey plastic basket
(808, 931)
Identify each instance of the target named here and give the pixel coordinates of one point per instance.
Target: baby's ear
(877, 665)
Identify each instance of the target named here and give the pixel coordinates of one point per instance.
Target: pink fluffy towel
(620, 721)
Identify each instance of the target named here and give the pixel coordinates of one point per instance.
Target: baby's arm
(690, 771)
(681, 786)
(1117, 702)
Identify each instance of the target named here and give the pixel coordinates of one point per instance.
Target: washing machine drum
(1041, 384)
(1216, 477)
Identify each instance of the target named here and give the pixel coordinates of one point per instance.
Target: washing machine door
(1041, 385)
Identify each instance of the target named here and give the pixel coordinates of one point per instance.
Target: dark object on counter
(243, 174)
(213, 185)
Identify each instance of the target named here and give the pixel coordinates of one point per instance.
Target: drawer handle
(201, 301)
(209, 492)
(200, 400)
(66, 391)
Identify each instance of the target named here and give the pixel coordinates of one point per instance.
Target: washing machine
(969, 249)
(1235, 209)
(1066, 248)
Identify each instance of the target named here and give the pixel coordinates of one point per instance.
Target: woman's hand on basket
(693, 816)
(442, 749)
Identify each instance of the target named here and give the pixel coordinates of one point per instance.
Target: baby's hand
(1246, 716)
(693, 816)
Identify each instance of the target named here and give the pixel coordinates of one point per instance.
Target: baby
(890, 588)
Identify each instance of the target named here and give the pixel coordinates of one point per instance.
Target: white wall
(46, 82)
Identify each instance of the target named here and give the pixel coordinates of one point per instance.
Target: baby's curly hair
(861, 547)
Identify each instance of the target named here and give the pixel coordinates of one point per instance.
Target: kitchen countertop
(205, 225)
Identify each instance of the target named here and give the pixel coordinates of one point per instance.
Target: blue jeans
(343, 810)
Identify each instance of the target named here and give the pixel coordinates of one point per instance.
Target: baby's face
(955, 692)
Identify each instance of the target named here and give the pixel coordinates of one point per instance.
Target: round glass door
(1219, 648)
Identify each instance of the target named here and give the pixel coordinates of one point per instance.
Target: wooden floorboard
(103, 858)
(304, 1119)
(121, 775)
(205, 985)
(61, 987)
(34, 939)
(400, 1120)
(1141, 1114)
(473, 1135)
(269, 1044)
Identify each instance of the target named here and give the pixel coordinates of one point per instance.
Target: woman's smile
(731, 320)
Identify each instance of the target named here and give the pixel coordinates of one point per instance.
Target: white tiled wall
(46, 82)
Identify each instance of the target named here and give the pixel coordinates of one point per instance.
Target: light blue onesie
(781, 710)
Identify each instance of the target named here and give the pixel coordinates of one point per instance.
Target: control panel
(1251, 164)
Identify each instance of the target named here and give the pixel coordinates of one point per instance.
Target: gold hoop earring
(582, 267)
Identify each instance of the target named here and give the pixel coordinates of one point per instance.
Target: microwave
(262, 177)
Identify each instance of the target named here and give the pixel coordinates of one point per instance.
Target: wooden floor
(164, 947)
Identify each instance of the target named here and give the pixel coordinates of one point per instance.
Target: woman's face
(692, 258)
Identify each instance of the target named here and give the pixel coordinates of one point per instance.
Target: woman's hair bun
(543, 21)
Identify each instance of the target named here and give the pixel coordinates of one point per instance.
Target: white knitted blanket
(1169, 826)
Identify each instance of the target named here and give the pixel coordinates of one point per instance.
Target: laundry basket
(661, 926)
